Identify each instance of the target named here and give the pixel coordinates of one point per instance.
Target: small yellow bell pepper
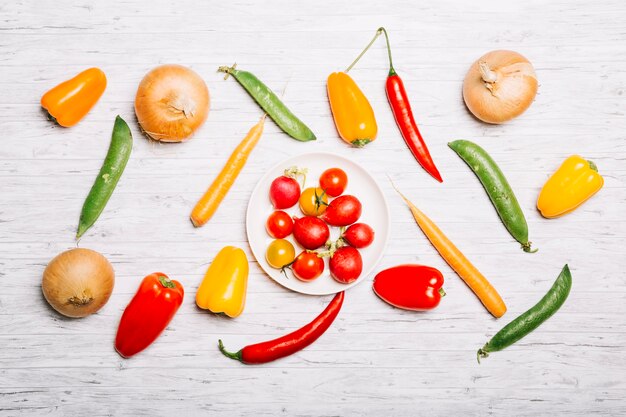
(352, 112)
(223, 289)
(572, 184)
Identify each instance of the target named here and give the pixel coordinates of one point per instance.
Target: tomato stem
(294, 172)
(378, 33)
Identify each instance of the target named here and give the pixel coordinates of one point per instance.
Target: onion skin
(499, 86)
(78, 282)
(172, 102)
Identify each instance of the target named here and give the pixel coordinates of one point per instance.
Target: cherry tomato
(346, 265)
(279, 224)
(334, 181)
(359, 235)
(343, 211)
(307, 266)
(313, 201)
(310, 232)
(280, 253)
(284, 192)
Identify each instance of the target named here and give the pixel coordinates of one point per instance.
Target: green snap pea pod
(111, 171)
(271, 104)
(531, 319)
(497, 188)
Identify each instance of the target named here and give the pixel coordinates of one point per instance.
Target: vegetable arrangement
(313, 230)
(172, 103)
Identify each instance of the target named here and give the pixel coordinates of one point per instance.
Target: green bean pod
(110, 173)
(531, 319)
(497, 188)
(271, 104)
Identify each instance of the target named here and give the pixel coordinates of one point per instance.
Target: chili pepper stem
(441, 292)
(392, 71)
(228, 70)
(592, 165)
(378, 33)
(235, 356)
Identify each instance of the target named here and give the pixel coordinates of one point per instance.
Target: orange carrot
(210, 201)
(483, 289)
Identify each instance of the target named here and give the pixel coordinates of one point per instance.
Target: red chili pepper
(401, 107)
(410, 287)
(149, 312)
(289, 344)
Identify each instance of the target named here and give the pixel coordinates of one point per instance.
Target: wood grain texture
(374, 360)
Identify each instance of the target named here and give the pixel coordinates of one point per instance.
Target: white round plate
(360, 184)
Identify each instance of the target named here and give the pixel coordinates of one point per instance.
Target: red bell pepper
(410, 287)
(149, 312)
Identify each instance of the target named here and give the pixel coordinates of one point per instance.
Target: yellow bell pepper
(352, 112)
(572, 184)
(223, 289)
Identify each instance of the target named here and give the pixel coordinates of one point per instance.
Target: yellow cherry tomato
(313, 201)
(280, 253)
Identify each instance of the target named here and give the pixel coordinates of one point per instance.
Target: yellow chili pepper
(223, 289)
(352, 112)
(572, 184)
(71, 100)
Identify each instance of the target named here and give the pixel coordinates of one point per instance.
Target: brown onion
(172, 102)
(78, 282)
(499, 86)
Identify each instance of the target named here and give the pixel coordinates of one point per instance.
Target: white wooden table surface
(374, 360)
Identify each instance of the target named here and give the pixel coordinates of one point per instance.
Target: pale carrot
(210, 201)
(483, 289)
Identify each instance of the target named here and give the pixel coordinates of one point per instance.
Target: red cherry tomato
(346, 265)
(359, 235)
(334, 181)
(310, 232)
(342, 211)
(284, 192)
(307, 266)
(279, 224)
